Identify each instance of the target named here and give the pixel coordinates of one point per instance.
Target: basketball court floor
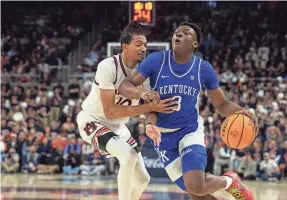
(42, 187)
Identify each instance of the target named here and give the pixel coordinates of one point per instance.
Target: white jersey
(110, 74)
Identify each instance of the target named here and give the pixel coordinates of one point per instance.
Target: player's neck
(128, 63)
(182, 58)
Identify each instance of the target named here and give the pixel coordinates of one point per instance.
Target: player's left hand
(252, 117)
(153, 133)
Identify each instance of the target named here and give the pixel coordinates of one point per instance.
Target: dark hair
(197, 30)
(133, 28)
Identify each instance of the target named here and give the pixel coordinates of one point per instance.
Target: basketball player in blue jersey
(179, 136)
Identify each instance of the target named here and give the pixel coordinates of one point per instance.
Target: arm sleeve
(106, 75)
(208, 76)
(151, 62)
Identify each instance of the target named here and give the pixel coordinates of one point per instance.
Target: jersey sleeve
(208, 76)
(147, 66)
(106, 75)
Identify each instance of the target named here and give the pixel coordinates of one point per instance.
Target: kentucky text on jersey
(183, 82)
(177, 89)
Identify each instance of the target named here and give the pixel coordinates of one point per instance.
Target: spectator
(95, 164)
(222, 160)
(269, 169)
(274, 151)
(72, 146)
(31, 160)
(247, 168)
(237, 156)
(53, 164)
(11, 162)
(74, 89)
(283, 165)
(72, 164)
(44, 151)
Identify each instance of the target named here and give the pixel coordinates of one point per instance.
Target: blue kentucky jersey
(183, 82)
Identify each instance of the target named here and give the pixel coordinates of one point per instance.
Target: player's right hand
(153, 133)
(168, 105)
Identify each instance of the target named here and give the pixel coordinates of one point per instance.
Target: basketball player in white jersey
(104, 112)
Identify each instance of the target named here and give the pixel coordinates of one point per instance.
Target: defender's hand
(153, 133)
(149, 96)
(165, 106)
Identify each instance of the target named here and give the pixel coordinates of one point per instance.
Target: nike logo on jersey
(164, 76)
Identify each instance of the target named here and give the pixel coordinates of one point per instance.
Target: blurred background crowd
(245, 43)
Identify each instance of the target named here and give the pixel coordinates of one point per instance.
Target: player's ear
(195, 45)
(124, 46)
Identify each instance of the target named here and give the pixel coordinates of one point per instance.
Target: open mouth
(177, 41)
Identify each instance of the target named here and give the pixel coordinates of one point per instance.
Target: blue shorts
(181, 153)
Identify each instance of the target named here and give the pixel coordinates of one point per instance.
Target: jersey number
(126, 102)
(178, 98)
(90, 128)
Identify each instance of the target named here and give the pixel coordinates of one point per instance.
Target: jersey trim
(122, 65)
(180, 76)
(199, 118)
(159, 70)
(198, 74)
(116, 64)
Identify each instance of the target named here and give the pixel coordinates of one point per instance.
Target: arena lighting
(142, 11)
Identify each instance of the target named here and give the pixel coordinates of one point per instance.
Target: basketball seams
(229, 129)
(241, 132)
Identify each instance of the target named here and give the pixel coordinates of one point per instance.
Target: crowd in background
(36, 37)
(38, 126)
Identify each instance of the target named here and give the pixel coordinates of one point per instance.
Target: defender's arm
(128, 87)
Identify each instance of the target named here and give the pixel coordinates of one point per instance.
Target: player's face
(184, 38)
(136, 50)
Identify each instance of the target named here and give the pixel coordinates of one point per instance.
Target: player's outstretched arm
(113, 111)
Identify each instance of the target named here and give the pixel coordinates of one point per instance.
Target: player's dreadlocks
(133, 28)
(197, 30)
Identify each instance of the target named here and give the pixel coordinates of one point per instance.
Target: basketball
(237, 131)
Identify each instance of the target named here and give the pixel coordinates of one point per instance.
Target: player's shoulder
(107, 66)
(107, 62)
(204, 62)
(157, 54)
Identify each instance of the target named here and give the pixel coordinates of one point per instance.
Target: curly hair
(196, 29)
(133, 28)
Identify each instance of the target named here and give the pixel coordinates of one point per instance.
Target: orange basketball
(237, 131)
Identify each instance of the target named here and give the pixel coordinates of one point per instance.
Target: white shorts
(91, 128)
